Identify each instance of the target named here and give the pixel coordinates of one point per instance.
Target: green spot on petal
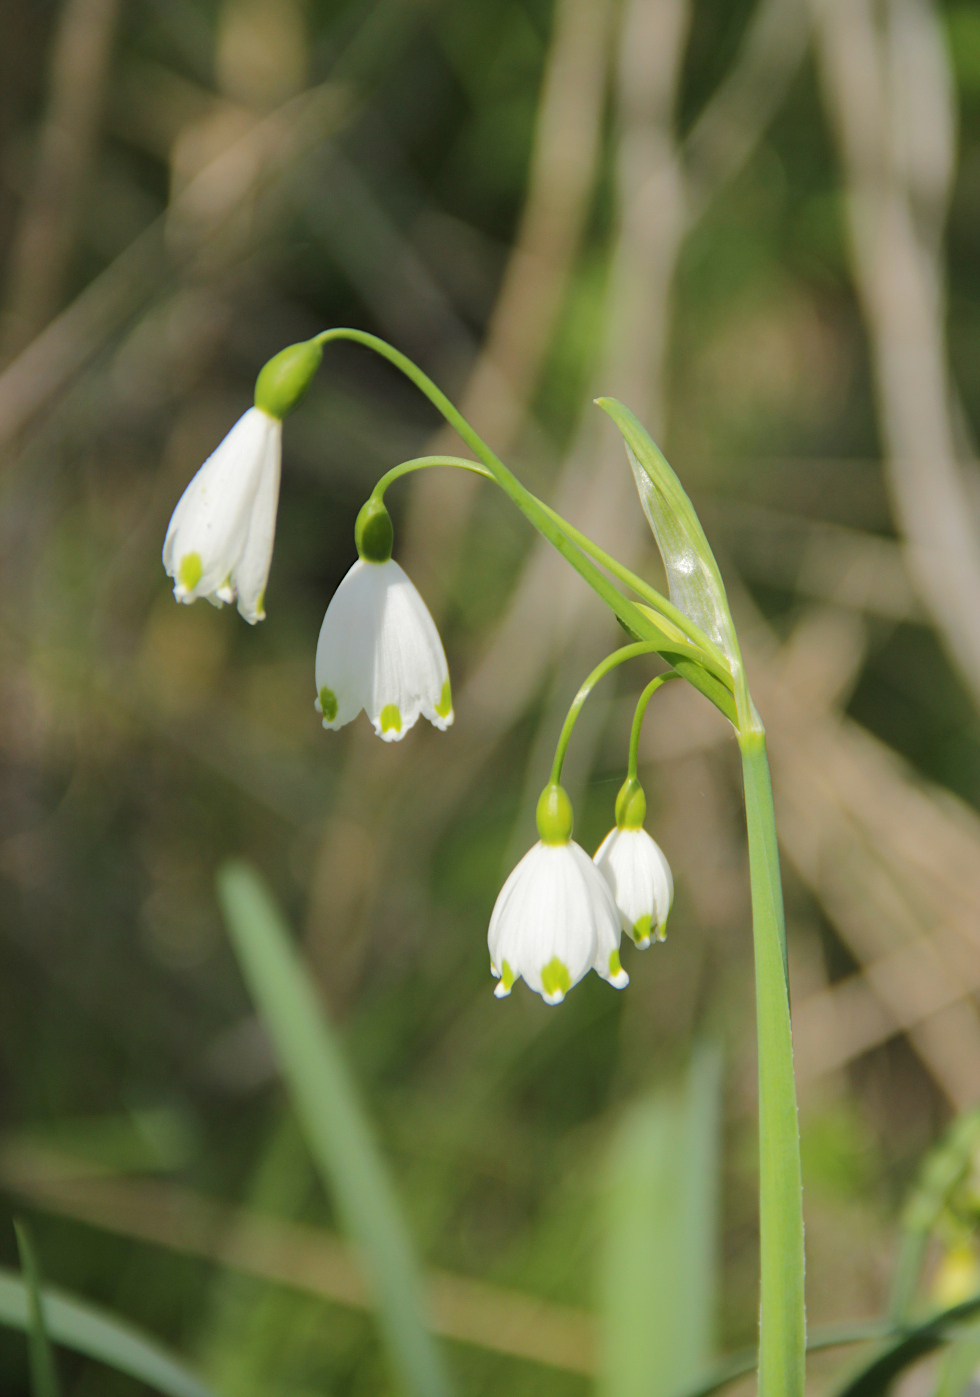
(555, 977)
(189, 572)
(391, 718)
(662, 932)
(328, 704)
(445, 704)
(614, 963)
(641, 929)
(507, 975)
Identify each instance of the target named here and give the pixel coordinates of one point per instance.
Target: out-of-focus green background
(760, 227)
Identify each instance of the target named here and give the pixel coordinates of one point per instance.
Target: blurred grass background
(758, 225)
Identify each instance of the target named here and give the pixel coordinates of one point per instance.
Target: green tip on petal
(285, 378)
(556, 979)
(662, 932)
(391, 718)
(631, 805)
(190, 570)
(615, 964)
(555, 816)
(641, 931)
(373, 532)
(507, 976)
(445, 705)
(328, 703)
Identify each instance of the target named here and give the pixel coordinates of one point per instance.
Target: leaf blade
(333, 1121)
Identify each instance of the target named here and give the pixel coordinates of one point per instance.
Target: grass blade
(44, 1371)
(87, 1329)
(333, 1122)
(661, 1238)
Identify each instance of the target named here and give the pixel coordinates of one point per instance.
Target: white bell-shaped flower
(220, 537)
(379, 648)
(634, 867)
(554, 918)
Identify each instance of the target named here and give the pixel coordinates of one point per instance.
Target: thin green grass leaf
(333, 1122)
(959, 1366)
(660, 1269)
(91, 1331)
(44, 1371)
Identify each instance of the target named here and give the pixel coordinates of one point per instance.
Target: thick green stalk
(782, 1322)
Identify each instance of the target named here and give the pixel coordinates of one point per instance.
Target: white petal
(606, 920)
(210, 523)
(411, 676)
(345, 650)
(639, 877)
(542, 924)
(252, 570)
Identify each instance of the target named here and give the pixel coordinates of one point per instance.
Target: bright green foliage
(333, 1122)
(91, 1331)
(44, 1373)
(659, 1274)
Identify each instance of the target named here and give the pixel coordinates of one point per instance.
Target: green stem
(557, 534)
(638, 717)
(782, 1322)
(618, 657)
(712, 658)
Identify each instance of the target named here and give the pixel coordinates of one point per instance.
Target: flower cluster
(560, 913)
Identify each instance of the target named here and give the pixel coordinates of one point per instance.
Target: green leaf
(91, 1331)
(693, 577)
(44, 1373)
(333, 1122)
(959, 1366)
(661, 1214)
(875, 1376)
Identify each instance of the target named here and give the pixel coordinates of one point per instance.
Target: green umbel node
(631, 805)
(286, 377)
(555, 816)
(373, 532)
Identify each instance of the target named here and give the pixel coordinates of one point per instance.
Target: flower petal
(345, 650)
(207, 530)
(411, 676)
(252, 570)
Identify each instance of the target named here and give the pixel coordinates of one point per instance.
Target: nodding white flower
(638, 875)
(379, 650)
(555, 918)
(220, 537)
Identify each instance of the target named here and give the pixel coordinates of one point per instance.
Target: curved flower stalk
(554, 918)
(630, 860)
(379, 649)
(220, 537)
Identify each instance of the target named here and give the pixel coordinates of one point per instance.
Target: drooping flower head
(634, 867)
(554, 919)
(379, 648)
(220, 537)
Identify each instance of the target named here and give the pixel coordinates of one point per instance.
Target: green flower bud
(631, 805)
(286, 377)
(373, 532)
(555, 817)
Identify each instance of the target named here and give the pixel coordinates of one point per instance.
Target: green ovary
(391, 718)
(445, 704)
(555, 977)
(507, 975)
(328, 704)
(189, 572)
(642, 928)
